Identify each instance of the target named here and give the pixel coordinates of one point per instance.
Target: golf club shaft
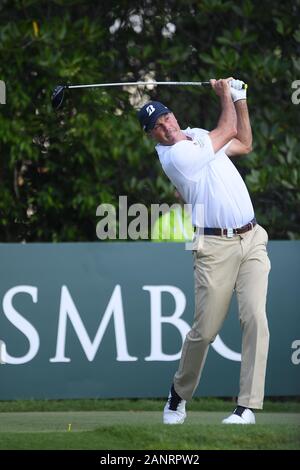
(139, 84)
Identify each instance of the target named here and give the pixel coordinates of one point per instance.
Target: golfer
(233, 255)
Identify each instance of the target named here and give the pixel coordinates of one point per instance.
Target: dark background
(57, 167)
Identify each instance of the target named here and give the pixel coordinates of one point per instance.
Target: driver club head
(58, 96)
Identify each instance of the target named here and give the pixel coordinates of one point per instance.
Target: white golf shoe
(174, 410)
(240, 416)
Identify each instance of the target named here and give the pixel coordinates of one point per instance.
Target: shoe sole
(181, 421)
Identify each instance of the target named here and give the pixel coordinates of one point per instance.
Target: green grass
(158, 438)
(197, 404)
(136, 424)
(128, 430)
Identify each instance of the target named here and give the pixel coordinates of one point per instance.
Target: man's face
(166, 130)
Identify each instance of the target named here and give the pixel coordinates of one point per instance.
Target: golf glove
(237, 91)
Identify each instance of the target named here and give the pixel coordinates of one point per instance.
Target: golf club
(58, 93)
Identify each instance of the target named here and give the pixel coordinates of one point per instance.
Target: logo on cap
(150, 109)
(149, 114)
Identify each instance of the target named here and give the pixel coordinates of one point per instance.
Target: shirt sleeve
(198, 132)
(224, 148)
(190, 157)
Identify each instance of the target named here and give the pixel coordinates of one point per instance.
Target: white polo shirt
(204, 177)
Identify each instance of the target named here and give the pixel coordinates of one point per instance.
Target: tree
(56, 168)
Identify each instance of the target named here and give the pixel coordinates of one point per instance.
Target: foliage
(57, 167)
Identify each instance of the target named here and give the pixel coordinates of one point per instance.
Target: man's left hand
(237, 91)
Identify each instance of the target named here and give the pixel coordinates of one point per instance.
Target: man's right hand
(221, 87)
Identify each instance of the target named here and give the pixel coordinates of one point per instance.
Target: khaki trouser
(221, 265)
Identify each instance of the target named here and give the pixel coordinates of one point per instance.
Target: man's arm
(242, 143)
(227, 124)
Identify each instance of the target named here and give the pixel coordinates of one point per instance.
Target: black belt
(229, 232)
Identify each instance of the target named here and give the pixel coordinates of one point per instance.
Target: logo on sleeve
(200, 142)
